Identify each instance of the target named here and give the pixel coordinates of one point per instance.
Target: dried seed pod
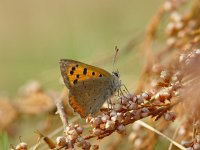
(146, 95)
(121, 128)
(113, 113)
(72, 134)
(114, 118)
(165, 75)
(110, 125)
(196, 146)
(79, 130)
(117, 107)
(119, 117)
(22, 146)
(96, 121)
(104, 118)
(61, 141)
(186, 143)
(94, 147)
(96, 131)
(80, 141)
(170, 116)
(168, 6)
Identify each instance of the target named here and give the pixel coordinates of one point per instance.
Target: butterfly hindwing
(87, 97)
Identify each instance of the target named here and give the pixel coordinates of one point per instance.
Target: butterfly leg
(126, 90)
(109, 103)
(122, 93)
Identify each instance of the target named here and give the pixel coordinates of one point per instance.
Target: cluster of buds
(127, 110)
(170, 116)
(174, 28)
(194, 145)
(188, 59)
(171, 5)
(21, 146)
(190, 67)
(182, 28)
(73, 138)
(165, 88)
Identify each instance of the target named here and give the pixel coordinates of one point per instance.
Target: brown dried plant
(168, 90)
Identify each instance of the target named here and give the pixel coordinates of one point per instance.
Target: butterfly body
(89, 86)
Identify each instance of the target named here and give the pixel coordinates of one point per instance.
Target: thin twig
(159, 133)
(61, 111)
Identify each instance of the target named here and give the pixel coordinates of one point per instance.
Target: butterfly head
(116, 80)
(116, 74)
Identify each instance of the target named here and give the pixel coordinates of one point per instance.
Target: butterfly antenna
(115, 57)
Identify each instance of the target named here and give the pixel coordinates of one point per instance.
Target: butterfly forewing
(74, 71)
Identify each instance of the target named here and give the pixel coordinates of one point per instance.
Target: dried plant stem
(147, 46)
(176, 132)
(52, 134)
(161, 134)
(61, 109)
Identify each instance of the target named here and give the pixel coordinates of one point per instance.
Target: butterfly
(89, 86)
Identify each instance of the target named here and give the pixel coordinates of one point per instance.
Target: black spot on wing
(85, 71)
(71, 72)
(73, 68)
(75, 81)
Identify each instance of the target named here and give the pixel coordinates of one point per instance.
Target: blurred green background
(34, 35)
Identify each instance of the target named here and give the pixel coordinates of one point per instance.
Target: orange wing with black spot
(73, 71)
(86, 85)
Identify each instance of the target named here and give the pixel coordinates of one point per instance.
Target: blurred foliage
(4, 141)
(36, 34)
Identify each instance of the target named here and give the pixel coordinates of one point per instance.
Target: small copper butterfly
(89, 86)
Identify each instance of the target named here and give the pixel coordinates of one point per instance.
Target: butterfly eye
(116, 74)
